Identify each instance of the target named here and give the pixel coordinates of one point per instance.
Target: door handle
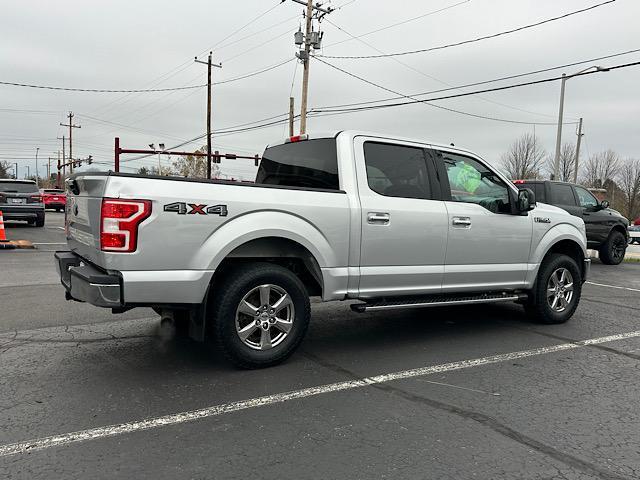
(461, 222)
(378, 218)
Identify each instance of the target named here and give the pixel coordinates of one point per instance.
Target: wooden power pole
(209, 65)
(291, 107)
(71, 127)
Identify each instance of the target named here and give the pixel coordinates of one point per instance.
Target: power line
(409, 20)
(461, 112)
(248, 23)
(477, 39)
(102, 90)
(458, 95)
(406, 65)
(484, 82)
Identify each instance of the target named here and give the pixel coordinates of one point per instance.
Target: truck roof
(364, 133)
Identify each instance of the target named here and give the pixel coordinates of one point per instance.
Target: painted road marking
(55, 243)
(614, 286)
(216, 410)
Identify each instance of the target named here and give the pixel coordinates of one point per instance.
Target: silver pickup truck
(391, 223)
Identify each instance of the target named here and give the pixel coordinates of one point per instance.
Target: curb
(16, 244)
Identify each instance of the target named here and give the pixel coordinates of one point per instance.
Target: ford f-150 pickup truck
(391, 223)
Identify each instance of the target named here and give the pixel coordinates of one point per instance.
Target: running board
(439, 301)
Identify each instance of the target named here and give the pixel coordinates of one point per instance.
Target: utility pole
(556, 163)
(64, 159)
(309, 39)
(37, 174)
(209, 65)
(291, 107)
(49, 169)
(575, 171)
(58, 175)
(71, 127)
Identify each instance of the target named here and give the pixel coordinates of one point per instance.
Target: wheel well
(619, 228)
(571, 249)
(281, 251)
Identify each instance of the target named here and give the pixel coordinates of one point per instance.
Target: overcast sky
(140, 44)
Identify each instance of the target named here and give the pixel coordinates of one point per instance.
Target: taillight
(119, 220)
(37, 198)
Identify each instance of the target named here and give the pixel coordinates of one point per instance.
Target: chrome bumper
(85, 283)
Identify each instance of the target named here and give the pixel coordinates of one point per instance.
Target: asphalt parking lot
(467, 392)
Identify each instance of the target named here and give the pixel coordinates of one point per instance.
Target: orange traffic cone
(3, 236)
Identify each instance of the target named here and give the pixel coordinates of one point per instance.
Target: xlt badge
(542, 219)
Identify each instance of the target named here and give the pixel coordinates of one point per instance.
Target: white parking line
(614, 286)
(216, 410)
(54, 243)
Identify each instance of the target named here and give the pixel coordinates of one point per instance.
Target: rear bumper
(85, 283)
(20, 212)
(54, 204)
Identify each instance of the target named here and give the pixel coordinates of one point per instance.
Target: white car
(634, 234)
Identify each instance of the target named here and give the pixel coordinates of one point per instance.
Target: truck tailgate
(85, 194)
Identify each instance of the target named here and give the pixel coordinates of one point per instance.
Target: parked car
(21, 200)
(394, 223)
(634, 234)
(54, 198)
(606, 228)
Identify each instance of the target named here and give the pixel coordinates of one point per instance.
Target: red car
(54, 198)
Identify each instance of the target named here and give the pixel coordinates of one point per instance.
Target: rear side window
(538, 189)
(397, 170)
(18, 187)
(563, 194)
(309, 164)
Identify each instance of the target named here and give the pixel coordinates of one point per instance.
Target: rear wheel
(40, 220)
(557, 291)
(260, 315)
(613, 250)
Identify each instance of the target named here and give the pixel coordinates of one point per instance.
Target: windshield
(18, 187)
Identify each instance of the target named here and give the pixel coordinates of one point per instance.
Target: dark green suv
(606, 228)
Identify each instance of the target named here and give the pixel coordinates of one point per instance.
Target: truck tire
(261, 313)
(40, 220)
(613, 249)
(557, 291)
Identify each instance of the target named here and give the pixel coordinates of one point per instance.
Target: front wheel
(613, 250)
(557, 291)
(261, 313)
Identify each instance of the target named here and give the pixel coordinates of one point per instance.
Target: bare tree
(600, 168)
(567, 162)
(525, 158)
(629, 180)
(196, 167)
(4, 169)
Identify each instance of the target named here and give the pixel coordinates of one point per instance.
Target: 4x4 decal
(184, 208)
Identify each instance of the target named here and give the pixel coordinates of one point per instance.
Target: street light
(565, 77)
(37, 150)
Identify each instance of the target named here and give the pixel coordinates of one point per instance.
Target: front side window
(307, 164)
(585, 198)
(472, 182)
(563, 194)
(397, 170)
